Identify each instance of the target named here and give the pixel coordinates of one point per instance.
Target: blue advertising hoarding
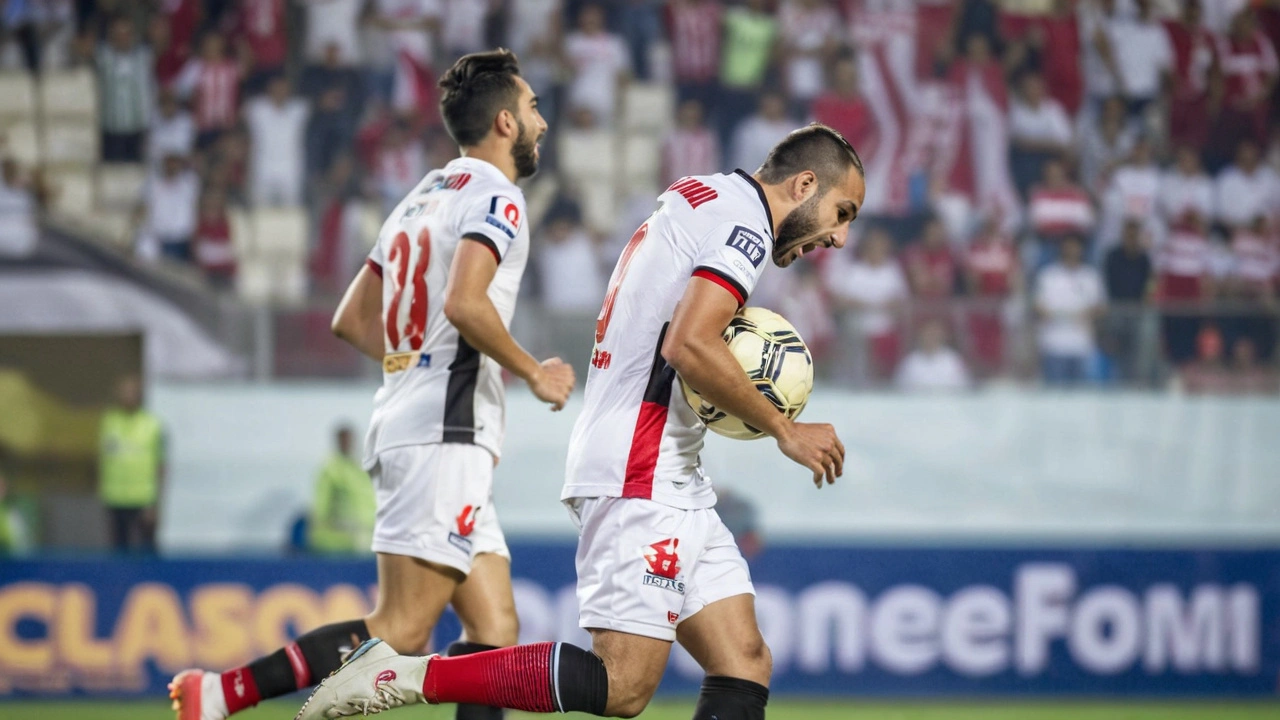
(871, 621)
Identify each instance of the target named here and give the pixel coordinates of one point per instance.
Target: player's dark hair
(475, 90)
(815, 147)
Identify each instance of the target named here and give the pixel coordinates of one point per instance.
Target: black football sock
(307, 660)
(467, 711)
(726, 698)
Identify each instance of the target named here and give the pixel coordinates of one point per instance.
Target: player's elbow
(340, 326)
(678, 353)
(456, 310)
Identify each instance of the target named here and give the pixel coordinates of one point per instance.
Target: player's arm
(358, 319)
(468, 308)
(694, 346)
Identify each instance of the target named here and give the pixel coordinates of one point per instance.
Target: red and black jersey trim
(487, 242)
(375, 267)
(723, 280)
(759, 191)
(647, 438)
(460, 395)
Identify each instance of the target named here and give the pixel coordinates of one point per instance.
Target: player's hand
(553, 382)
(815, 446)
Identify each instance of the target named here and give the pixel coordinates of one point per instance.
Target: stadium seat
(69, 142)
(289, 283)
(22, 143)
(17, 96)
(280, 233)
(72, 190)
(642, 160)
(69, 94)
(648, 107)
(371, 219)
(588, 157)
(114, 226)
(599, 207)
(120, 185)
(253, 281)
(241, 234)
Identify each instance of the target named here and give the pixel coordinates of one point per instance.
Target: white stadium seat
(69, 94)
(371, 219)
(280, 233)
(22, 143)
(289, 283)
(648, 107)
(115, 226)
(70, 142)
(641, 160)
(120, 185)
(599, 207)
(253, 281)
(72, 190)
(241, 234)
(588, 157)
(17, 96)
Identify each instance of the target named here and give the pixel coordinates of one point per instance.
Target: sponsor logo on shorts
(664, 565)
(673, 617)
(466, 521)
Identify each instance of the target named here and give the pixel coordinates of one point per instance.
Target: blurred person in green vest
(14, 537)
(342, 512)
(747, 52)
(131, 467)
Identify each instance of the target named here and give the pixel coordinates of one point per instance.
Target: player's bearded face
(525, 151)
(799, 227)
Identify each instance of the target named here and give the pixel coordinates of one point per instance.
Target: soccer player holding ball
(433, 305)
(655, 563)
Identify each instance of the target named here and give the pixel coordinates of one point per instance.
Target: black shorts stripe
(661, 375)
(460, 395)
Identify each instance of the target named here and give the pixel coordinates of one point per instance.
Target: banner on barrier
(856, 621)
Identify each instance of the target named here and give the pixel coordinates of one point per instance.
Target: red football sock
(239, 689)
(519, 678)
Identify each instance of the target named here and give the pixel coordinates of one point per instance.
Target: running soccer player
(655, 563)
(432, 304)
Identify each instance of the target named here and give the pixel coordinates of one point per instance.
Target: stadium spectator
(330, 73)
(760, 132)
(1142, 54)
(1186, 190)
(131, 468)
(1207, 373)
(1058, 207)
(1128, 272)
(1248, 376)
(695, 29)
(169, 57)
(173, 132)
(993, 275)
(462, 29)
(330, 131)
(750, 34)
(214, 253)
(1243, 376)
(534, 34)
(692, 148)
(212, 83)
(1252, 284)
(844, 108)
(400, 164)
(332, 27)
(798, 295)
(933, 366)
(228, 168)
(15, 535)
(184, 18)
(1184, 264)
(1248, 189)
(340, 244)
(641, 23)
(1054, 38)
(599, 63)
(1104, 144)
(168, 211)
(277, 126)
(809, 31)
(931, 266)
(1194, 63)
(1102, 77)
(343, 506)
(1132, 193)
(259, 26)
(1068, 299)
(1039, 130)
(1249, 74)
(874, 290)
(125, 76)
(18, 209)
(569, 270)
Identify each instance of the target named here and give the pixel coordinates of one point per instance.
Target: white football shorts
(645, 567)
(435, 502)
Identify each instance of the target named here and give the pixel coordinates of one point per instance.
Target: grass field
(277, 710)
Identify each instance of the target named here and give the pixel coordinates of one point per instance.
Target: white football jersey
(436, 387)
(636, 436)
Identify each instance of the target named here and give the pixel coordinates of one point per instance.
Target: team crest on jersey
(504, 214)
(664, 566)
(749, 243)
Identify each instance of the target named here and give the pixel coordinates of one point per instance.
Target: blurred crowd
(1039, 169)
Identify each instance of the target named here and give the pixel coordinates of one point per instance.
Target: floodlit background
(1050, 347)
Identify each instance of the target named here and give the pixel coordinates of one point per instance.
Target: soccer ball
(776, 360)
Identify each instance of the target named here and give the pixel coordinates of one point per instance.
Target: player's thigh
(412, 594)
(635, 664)
(485, 604)
(725, 640)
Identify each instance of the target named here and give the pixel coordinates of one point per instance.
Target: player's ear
(803, 185)
(505, 124)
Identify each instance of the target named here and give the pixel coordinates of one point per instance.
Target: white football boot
(375, 678)
(197, 695)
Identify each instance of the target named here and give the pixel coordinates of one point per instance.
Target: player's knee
(629, 695)
(406, 635)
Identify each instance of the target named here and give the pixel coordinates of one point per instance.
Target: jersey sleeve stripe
(487, 242)
(736, 290)
(652, 420)
(374, 266)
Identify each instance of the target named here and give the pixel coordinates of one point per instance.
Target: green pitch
(276, 710)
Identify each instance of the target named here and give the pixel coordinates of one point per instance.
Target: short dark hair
(814, 147)
(475, 90)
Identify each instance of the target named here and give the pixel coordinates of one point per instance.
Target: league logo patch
(664, 565)
(749, 243)
(504, 214)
